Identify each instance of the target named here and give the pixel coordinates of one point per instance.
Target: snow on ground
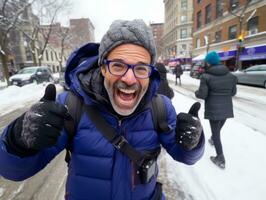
(244, 150)
(14, 97)
(244, 177)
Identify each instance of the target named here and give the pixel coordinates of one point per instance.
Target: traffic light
(240, 39)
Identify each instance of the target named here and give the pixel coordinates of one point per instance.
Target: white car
(28, 75)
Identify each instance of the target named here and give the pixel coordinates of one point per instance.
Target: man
(217, 86)
(178, 72)
(164, 87)
(116, 78)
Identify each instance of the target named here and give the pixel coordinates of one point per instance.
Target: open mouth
(126, 97)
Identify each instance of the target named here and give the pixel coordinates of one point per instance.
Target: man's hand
(188, 128)
(42, 124)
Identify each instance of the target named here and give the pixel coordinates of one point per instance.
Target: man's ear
(103, 70)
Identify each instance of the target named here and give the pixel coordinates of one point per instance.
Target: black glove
(189, 129)
(39, 127)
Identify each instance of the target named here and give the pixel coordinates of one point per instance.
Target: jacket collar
(84, 78)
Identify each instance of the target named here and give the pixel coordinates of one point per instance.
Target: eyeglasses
(118, 68)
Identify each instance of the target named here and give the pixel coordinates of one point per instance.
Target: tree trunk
(5, 67)
(40, 61)
(33, 53)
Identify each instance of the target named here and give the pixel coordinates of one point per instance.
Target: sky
(103, 12)
(244, 146)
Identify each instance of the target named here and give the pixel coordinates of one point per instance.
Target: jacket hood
(217, 70)
(84, 78)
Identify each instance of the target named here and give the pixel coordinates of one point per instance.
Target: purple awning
(249, 53)
(254, 53)
(260, 56)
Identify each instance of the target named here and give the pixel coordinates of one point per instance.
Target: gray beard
(122, 112)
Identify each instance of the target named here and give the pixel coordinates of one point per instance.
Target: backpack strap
(118, 141)
(75, 109)
(159, 115)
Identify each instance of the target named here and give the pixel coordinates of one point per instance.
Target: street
(49, 183)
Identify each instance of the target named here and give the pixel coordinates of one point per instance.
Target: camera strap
(118, 141)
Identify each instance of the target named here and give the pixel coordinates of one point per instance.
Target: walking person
(114, 144)
(217, 86)
(178, 73)
(164, 87)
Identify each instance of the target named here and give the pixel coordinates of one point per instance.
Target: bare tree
(239, 13)
(41, 29)
(48, 15)
(10, 17)
(63, 35)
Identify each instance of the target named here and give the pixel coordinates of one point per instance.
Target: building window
(183, 18)
(183, 49)
(55, 53)
(183, 32)
(219, 8)
(234, 4)
(208, 14)
(218, 36)
(232, 32)
(52, 56)
(47, 55)
(197, 43)
(199, 20)
(183, 4)
(253, 25)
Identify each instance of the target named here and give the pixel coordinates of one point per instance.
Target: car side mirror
(39, 73)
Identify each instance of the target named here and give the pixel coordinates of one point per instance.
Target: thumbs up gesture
(188, 128)
(42, 124)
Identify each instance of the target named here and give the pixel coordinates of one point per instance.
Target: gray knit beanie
(123, 32)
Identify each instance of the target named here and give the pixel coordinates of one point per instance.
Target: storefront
(253, 55)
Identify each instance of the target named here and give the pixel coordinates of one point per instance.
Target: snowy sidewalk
(244, 177)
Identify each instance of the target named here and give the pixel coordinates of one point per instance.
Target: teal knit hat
(212, 58)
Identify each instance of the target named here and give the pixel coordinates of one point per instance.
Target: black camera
(147, 170)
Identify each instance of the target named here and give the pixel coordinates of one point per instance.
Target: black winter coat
(164, 87)
(217, 86)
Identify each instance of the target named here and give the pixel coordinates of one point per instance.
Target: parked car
(255, 75)
(186, 67)
(37, 74)
(196, 71)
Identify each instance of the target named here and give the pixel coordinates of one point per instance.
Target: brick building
(178, 25)
(218, 25)
(157, 29)
(82, 31)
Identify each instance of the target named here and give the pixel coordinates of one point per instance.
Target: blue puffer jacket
(97, 170)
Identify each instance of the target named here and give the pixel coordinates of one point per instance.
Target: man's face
(125, 92)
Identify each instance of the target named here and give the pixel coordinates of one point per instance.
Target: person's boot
(219, 161)
(211, 142)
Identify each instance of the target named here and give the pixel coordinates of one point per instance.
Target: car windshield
(27, 71)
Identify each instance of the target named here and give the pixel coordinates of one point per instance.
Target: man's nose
(129, 78)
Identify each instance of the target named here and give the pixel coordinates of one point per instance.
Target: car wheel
(265, 84)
